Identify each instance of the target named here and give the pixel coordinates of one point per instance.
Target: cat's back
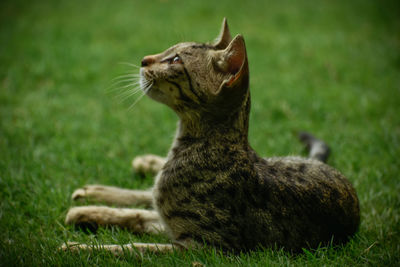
(300, 177)
(307, 201)
(291, 202)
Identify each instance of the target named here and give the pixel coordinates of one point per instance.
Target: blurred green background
(328, 67)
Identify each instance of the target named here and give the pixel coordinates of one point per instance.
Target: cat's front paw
(87, 191)
(148, 164)
(69, 246)
(87, 218)
(77, 215)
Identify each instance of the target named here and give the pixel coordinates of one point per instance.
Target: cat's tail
(317, 149)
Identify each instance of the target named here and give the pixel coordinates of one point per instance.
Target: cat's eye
(176, 60)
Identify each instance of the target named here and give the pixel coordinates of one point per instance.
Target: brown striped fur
(213, 188)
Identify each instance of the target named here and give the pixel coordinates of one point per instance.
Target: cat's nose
(148, 60)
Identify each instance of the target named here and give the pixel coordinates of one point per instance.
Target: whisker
(133, 85)
(123, 96)
(137, 100)
(129, 75)
(129, 64)
(129, 86)
(121, 89)
(145, 90)
(124, 81)
(145, 83)
(128, 95)
(131, 78)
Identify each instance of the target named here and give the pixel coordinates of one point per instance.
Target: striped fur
(213, 187)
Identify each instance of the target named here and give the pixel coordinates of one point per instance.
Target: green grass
(331, 68)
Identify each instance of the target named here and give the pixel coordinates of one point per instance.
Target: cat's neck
(231, 129)
(229, 125)
(194, 138)
(194, 145)
(210, 132)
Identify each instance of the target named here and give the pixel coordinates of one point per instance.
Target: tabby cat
(213, 188)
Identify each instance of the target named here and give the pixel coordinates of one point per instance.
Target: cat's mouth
(145, 82)
(149, 85)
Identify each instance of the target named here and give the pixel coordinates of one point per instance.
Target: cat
(213, 188)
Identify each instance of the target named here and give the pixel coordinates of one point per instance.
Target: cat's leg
(113, 195)
(150, 164)
(136, 220)
(123, 197)
(134, 248)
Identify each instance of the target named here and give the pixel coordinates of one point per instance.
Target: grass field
(331, 68)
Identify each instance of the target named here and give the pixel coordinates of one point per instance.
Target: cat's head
(199, 78)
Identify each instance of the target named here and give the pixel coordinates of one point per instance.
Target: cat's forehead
(189, 47)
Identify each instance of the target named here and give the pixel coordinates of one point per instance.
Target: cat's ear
(232, 62)
(224, 37)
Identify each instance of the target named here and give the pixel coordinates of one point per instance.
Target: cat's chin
(156, 94)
